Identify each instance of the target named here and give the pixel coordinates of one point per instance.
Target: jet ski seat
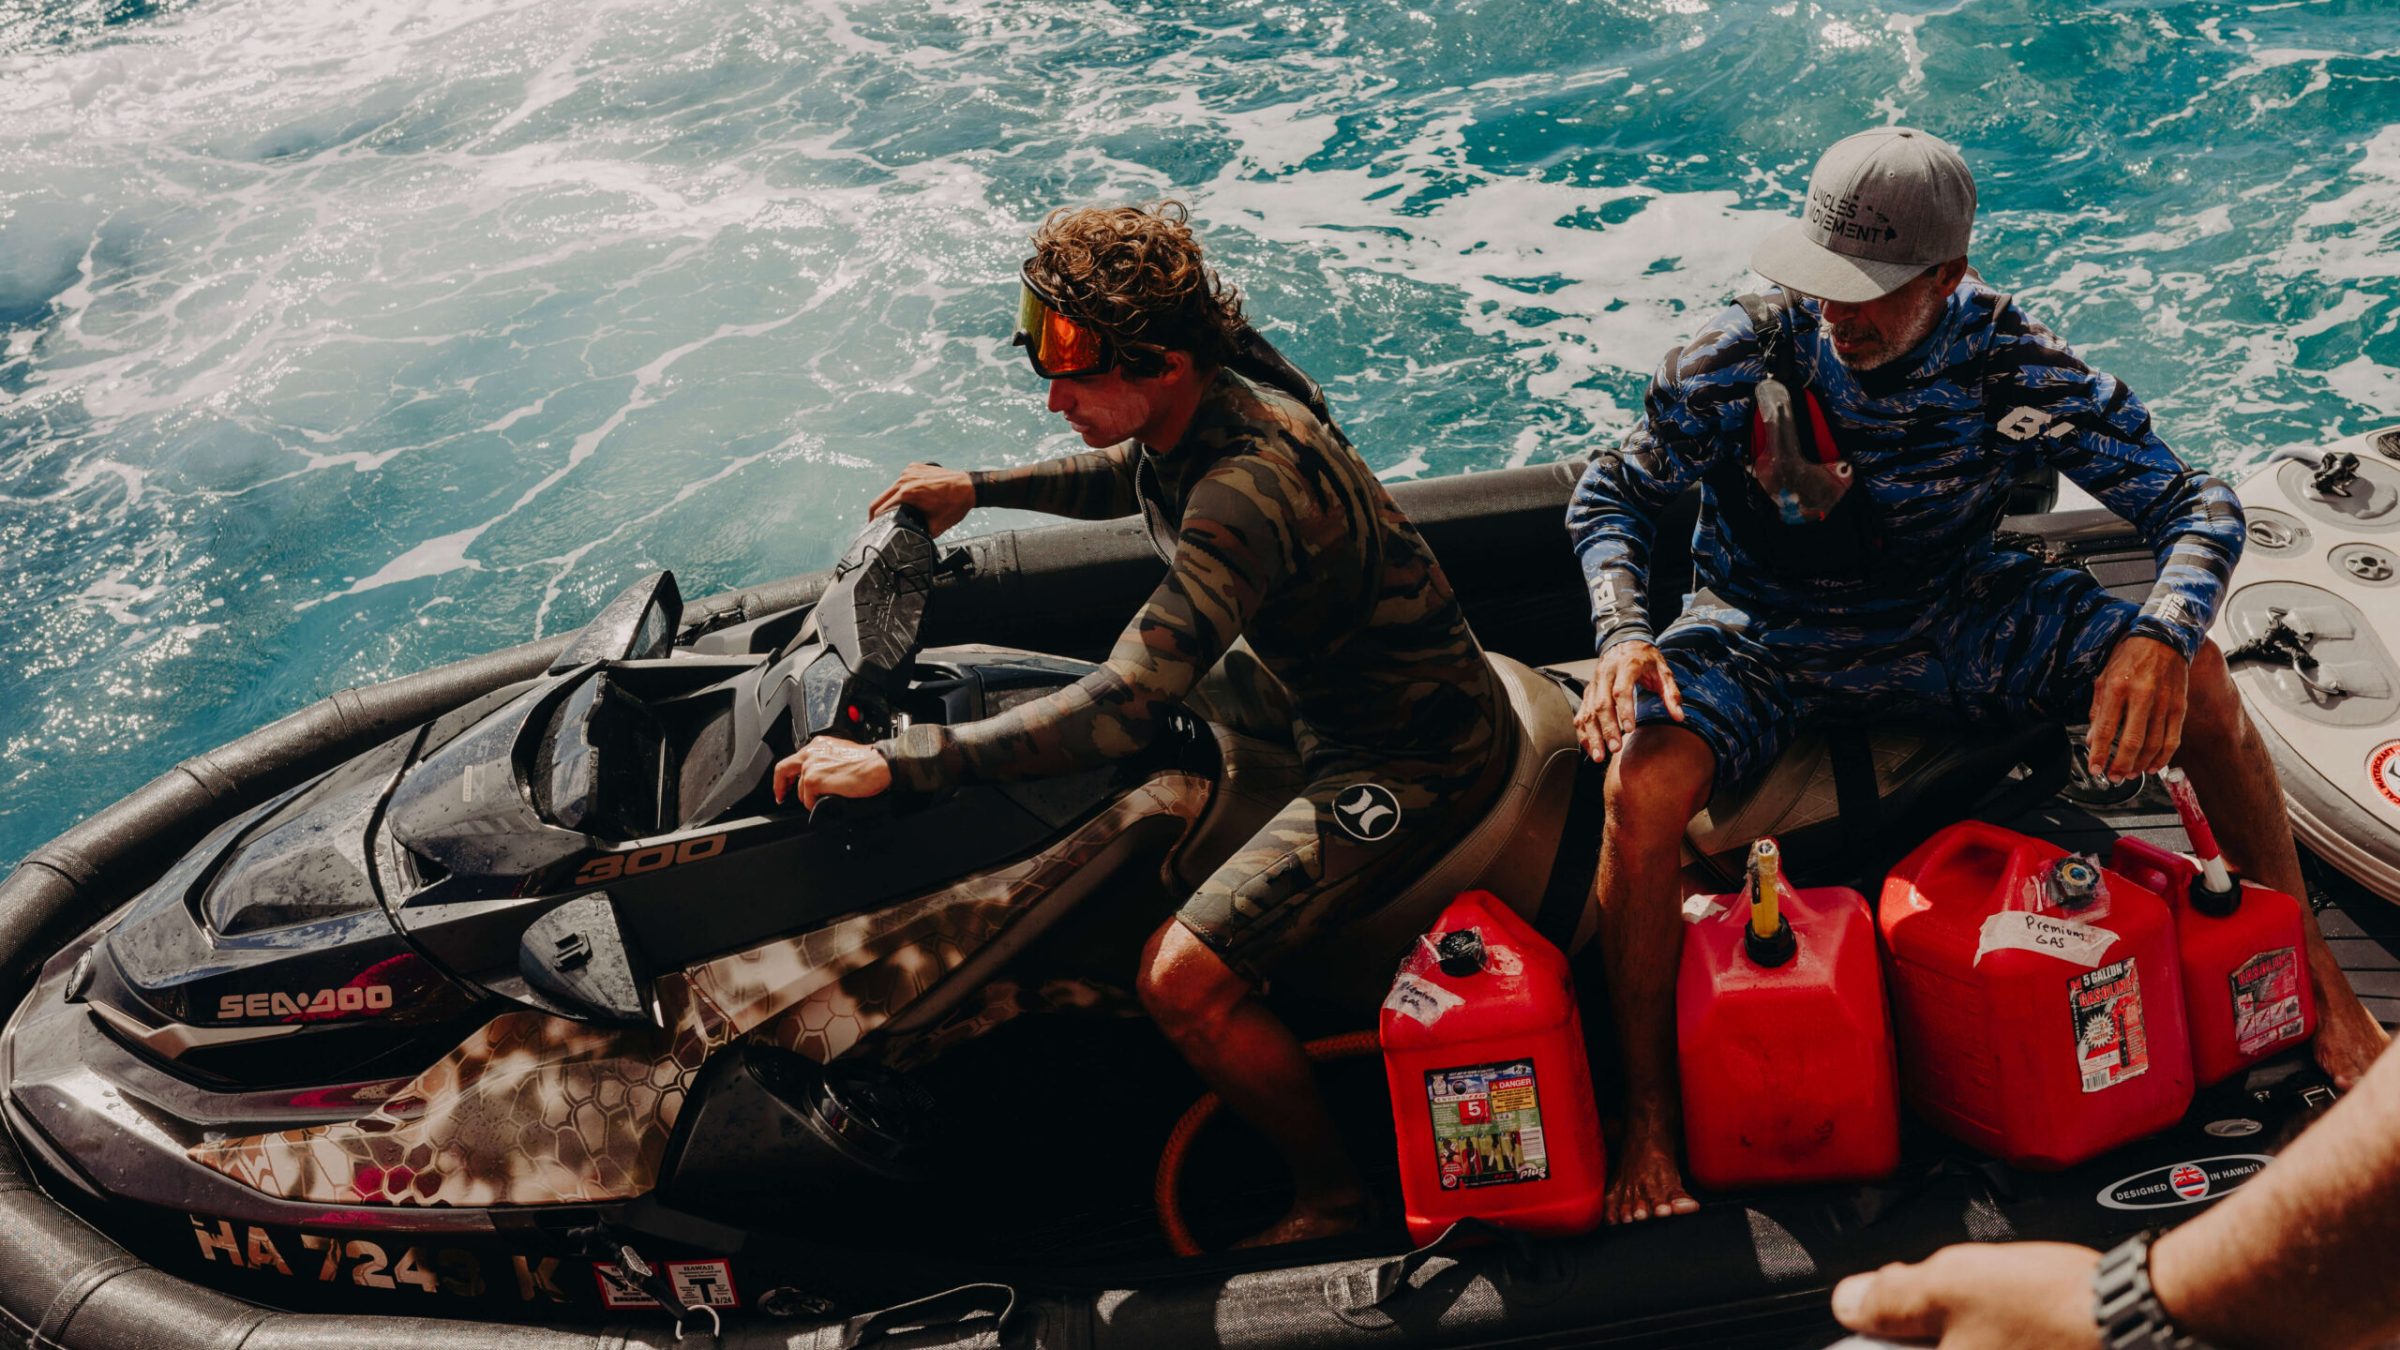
(1509, 852)
(1846, 800)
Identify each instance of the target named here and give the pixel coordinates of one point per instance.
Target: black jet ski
(498, 1002)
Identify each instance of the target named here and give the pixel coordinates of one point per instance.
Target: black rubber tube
(63, 1283)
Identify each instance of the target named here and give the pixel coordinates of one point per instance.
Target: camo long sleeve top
(1095, 485)
(1936, 449)
(1283, 535)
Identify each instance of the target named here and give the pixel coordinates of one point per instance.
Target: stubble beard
(1920, 326)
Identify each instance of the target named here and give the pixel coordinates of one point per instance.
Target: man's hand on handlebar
(1606, 718)
(829, 766)
(944, 495)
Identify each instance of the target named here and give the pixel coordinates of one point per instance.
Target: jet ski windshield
(601, 766)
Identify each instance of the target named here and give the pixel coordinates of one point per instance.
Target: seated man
(1275, 531)
(1938, 393)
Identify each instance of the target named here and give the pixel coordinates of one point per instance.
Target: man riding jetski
(1278, 536)
(1855, 441)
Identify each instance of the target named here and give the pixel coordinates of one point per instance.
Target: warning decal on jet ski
(1487, 1125)
(2266, 1000)
(2110, 1043)
(700, 1284)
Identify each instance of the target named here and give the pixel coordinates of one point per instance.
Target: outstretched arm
(2299, 1258)
(1235, 545)
(2097, 433)
(1612, 520)
(1093, 485)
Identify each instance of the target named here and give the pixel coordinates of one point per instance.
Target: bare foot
(2348, 1040)
(1309, 1221)
(1646, 1183)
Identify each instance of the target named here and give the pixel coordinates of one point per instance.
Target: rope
(1179, 1142)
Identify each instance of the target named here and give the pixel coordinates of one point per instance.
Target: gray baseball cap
(1883, 206)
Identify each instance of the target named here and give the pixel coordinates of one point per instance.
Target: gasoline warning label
(2266, 1000)
(2110, 1044)
(1487, 1125)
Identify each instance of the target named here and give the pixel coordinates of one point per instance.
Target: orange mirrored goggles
(1061, 347)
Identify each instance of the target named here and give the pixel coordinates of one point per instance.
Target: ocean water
(339, 338)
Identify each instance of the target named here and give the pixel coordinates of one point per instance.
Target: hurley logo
(1368, 812)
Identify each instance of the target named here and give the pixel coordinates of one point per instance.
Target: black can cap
(1460, 952)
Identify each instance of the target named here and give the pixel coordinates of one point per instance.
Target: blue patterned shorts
(2017, 639)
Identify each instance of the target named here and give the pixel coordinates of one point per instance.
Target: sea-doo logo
(1368, 812)
(2183, 1183)
(371, 998)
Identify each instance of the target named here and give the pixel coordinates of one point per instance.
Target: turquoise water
(339, 338)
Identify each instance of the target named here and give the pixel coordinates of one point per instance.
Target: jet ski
(501, 1002)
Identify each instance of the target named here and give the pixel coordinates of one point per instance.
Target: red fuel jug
(1491, 1093)
(1785, 1045)
(2245, 969)
(2038, 1000)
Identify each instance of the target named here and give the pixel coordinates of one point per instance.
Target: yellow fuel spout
(1766, 889)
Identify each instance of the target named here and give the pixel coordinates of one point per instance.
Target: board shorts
(1356, 837)
(2015, 640)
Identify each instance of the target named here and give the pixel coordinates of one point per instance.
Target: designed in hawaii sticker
(2183, 1183)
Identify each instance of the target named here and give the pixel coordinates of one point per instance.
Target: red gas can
(2038, 1001)
(1785, 1045)
(2245, 971)
(1491, 1093)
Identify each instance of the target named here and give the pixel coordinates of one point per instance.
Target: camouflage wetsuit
(1937, 618)
(1281, 535)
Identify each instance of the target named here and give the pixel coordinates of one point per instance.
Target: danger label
(2266, 1000)
(700, 1284)
(1487, 1125)
(2110, 1043)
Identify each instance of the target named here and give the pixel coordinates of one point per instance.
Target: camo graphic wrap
(539, 1110)
(1284, 536)
(1004, 1001)
(1937, 442)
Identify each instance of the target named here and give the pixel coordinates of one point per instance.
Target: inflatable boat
(499, 1006)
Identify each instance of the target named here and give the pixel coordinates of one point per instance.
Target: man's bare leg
(2235, 777)
(1246, 1054)
(1655, 784)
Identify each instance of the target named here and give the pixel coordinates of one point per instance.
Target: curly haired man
(1275, 532)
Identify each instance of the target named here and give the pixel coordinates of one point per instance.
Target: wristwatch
(2124, 1307)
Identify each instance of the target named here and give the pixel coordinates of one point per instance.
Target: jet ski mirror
(576, 959)
(639, 625)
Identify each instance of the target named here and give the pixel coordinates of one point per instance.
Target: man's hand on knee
(2137, 709)
(1607, 715)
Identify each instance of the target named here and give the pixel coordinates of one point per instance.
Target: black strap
(1358, 1288)
(1770, 322)
(1560, 912)
(949, 1310)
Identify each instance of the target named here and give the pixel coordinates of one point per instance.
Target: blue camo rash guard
(1935, 447)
